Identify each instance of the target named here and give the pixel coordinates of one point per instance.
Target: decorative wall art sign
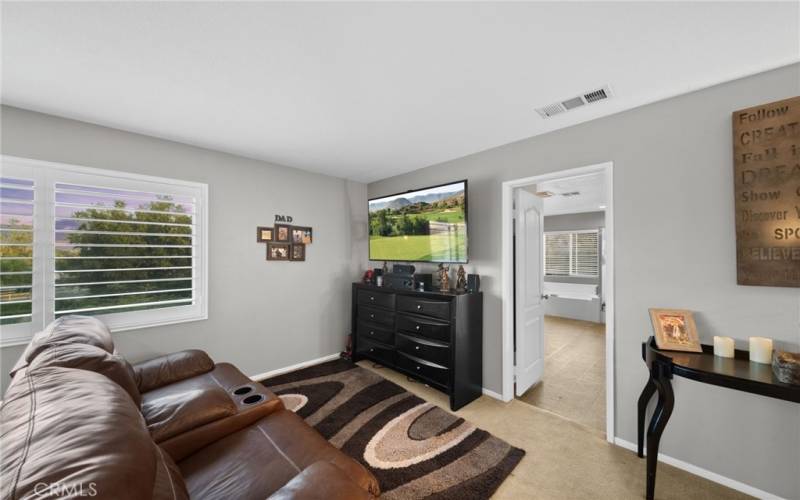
(766, 165)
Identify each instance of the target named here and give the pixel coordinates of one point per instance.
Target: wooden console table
(734, 373)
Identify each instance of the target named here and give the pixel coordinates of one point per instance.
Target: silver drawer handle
(417, 327)
(418, 368)
(419, 307)
(371, 297)
(371, 349)
(416, 347)
(371, 315)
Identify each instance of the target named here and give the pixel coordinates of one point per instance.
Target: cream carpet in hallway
(574, 379)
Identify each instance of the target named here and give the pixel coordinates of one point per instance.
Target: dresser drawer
(424, 369)
(377, 352)
(375, 333)
(372, 298)
(426, 350)
(432, 329)
(426, 307)
(375, 315)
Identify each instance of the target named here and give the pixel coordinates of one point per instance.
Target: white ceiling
(370, 90)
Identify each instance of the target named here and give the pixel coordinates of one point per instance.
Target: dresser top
(430, 293)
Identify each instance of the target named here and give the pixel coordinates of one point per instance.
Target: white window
(127, 248)
(572, 253)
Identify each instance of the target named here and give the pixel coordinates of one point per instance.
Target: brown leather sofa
(79, 420)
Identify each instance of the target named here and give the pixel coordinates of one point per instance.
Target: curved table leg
(644, 399)
(666, 402)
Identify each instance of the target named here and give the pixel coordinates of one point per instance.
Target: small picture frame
(302, 235)
(283, 233)
(675, 330)
(265, 234)
(278, 251)
(298, 252)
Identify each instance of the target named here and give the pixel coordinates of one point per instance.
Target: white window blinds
(572, 253)
(118, 250)
(17, 205)
(127, 248)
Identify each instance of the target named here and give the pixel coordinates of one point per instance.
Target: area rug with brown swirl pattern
(414, 448)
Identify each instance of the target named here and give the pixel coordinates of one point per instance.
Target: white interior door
(529, 284)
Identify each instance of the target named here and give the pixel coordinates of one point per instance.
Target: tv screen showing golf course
(427, 225)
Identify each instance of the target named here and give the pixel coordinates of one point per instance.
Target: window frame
(45, 175)
(570, 266)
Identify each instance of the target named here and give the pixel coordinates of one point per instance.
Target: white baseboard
(280, 371)
(707, 474)
(492, 394)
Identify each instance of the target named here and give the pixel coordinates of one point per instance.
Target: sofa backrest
(63, 331)
(92, 358)
(70, 432)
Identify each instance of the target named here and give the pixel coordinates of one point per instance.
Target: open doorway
(560, 275)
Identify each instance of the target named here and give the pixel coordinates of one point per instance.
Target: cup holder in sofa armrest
(255, 398)
(241, 391)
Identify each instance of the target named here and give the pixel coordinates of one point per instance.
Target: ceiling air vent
(553, 109)
(574, 102)
(596, 95)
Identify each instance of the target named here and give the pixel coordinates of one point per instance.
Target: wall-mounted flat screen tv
(426, 225)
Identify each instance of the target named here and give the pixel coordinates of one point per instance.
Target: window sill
(117, 329)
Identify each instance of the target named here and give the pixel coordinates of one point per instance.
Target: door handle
(545, 296)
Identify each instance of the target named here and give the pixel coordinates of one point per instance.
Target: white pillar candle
(761, 350)
(723, 347)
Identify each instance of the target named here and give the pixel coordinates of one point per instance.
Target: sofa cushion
(172, 412)
(89, 357)
(66, 330)
(69, 430)
(321, 481)
(169, 482)
(259, 460)
(171, 368)
(229, 378)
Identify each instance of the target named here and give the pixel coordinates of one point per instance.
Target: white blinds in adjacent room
(127, 248)
(573, 253)
(557, 254)
(585, 254)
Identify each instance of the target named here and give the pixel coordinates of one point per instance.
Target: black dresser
(434, 337)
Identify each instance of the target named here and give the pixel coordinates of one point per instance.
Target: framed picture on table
(675, 330)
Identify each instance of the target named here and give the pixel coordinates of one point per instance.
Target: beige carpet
(574, 381)
(564, 459)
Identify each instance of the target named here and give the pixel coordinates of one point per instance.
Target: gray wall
(262, 315)
(673, 175)
(571, 308)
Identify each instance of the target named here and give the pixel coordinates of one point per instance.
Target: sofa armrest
(171, 368)
(178, 412)
(321, 481)
(186, 443)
